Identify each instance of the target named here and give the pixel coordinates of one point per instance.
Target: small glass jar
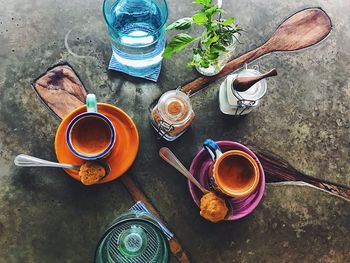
(172, 115)
(224, 57)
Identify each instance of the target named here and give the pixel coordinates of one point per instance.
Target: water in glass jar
(137, 32)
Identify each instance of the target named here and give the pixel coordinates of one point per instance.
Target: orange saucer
(121, 156)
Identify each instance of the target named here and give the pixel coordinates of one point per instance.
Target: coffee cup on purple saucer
(233, 173)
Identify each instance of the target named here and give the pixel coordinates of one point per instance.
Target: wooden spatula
(301, 30)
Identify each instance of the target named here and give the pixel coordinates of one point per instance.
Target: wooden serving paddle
(303, 29)
(280, 171)
(62, 91)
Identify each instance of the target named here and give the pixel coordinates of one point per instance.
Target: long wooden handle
(138, 195)
(200, 82)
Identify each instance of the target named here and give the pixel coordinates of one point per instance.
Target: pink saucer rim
(261, 189)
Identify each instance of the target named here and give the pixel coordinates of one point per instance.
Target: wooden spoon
(242, 84)
(303, 29)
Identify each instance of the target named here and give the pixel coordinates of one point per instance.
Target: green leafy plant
(217, 35)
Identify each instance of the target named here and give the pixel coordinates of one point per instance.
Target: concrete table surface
(45, 216)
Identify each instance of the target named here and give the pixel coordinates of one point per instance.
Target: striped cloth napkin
(141, 207)
(115, 65)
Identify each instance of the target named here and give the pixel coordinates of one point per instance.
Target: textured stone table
(45, 216)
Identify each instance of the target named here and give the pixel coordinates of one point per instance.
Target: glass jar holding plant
(215, 45)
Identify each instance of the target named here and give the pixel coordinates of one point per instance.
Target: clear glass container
(172, 115)
(221, 61)
(137, 32)
(133, 237)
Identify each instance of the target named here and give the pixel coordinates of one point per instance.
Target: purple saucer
(240, 207)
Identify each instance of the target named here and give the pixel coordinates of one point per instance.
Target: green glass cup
(133, 237)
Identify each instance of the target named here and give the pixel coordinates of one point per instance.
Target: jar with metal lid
(238, 103)
(172, 115)
(134, 237)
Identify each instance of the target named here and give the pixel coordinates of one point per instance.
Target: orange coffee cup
(234, 173)
(90, 135)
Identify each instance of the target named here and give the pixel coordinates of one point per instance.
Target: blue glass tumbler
(137, 32)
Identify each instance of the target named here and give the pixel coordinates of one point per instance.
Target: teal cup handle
(91, 103)
(213, 149)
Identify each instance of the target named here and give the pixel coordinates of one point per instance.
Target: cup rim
(252, 162)
(100, 154)
(136, 37)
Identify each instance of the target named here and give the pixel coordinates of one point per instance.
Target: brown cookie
(91, 173)
(213, 207)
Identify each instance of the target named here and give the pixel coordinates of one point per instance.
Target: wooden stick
(137, 194)
(203, 81)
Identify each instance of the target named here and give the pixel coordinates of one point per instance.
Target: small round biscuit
(213, 207)
(91, 173)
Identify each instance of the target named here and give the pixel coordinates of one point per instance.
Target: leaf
(178, 43)
(191, 64)
(204, 63)
(183, 23)
(205, 3)
(213, 56)
(210, 11)
(199, 18)
(228, 21)
(197, 51)
(217, 48)
(211, 40)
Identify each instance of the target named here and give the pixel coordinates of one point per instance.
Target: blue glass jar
(137, 32)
